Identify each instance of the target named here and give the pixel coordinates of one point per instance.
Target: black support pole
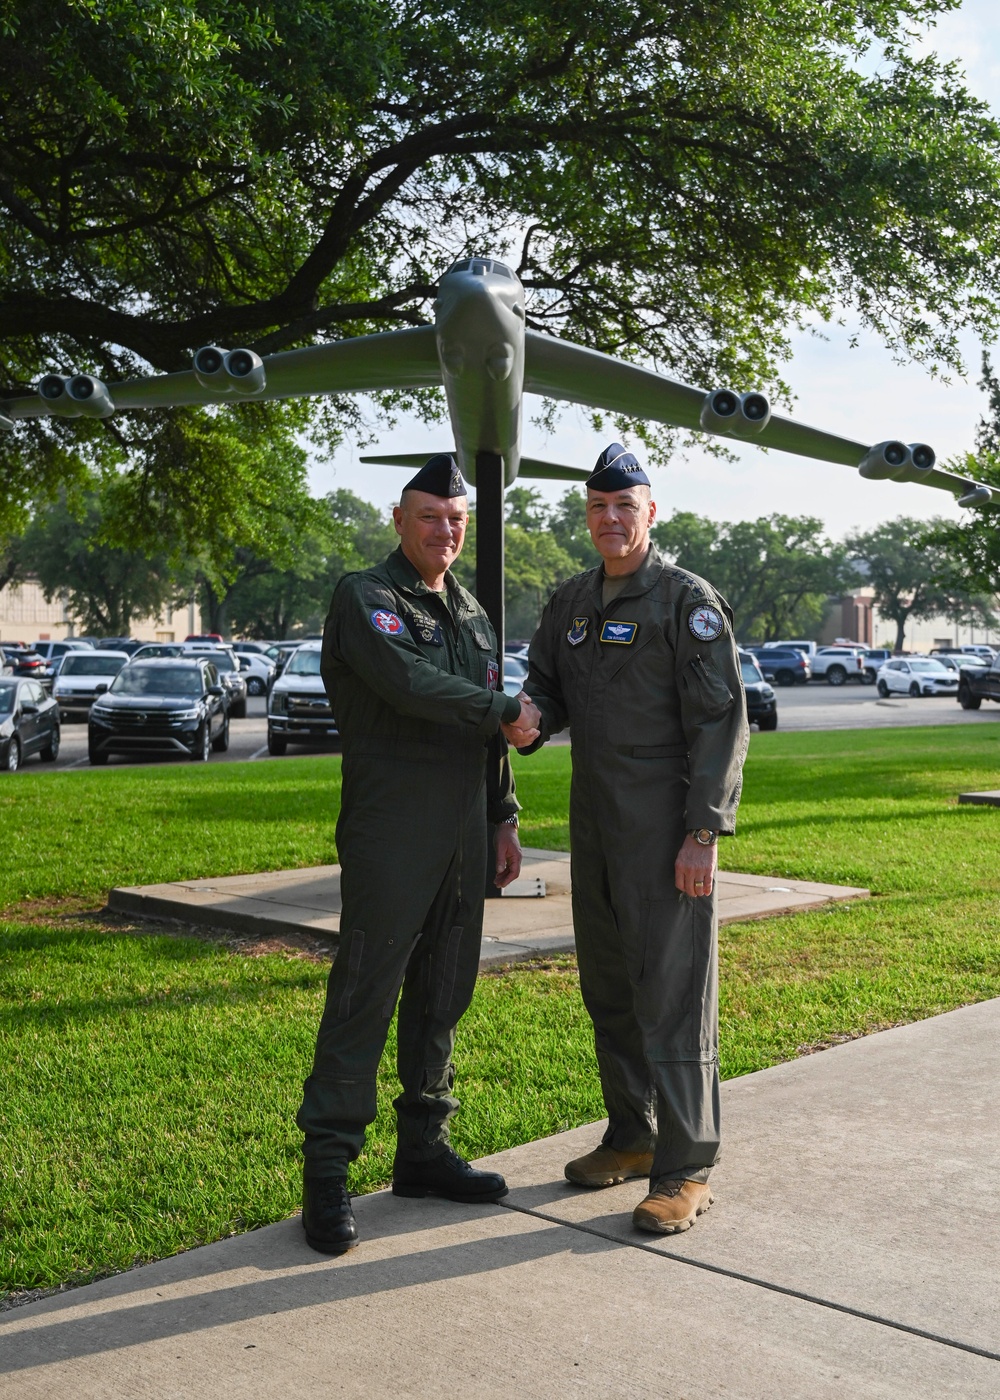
(489, 540)
(490, 579)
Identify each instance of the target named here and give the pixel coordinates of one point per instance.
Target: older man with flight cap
(638, 658)
(411, 667)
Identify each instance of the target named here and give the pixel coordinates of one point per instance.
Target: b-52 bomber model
(481, 351)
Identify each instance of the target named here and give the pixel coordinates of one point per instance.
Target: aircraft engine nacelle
(83, 396)
(726, 412)
(246, 372)
(210, 369)
(90, 396)
(53, 391)
(922, 459)
(886, 461)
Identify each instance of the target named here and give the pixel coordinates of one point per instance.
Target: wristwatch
(704, 837)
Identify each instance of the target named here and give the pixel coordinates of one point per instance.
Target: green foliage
(904, 569)
(967, 553)
(106, 587)
(775, 572)
(674, 181)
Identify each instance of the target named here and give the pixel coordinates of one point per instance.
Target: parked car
(838, 665)
(257, 670)
(916, 675)
(204, 637)
(29, 723)
(785, 667)
(251, 648)
(807, 648)
(150, 649)
(23, 661)
(279, 654)
(978, 683)
(129, 645)
(762, 706)
(227, 664)
(955, 662)
(50, 650)
(80, 676)
(874, 659)
(168, 704)
(298, 710)
(515, 673)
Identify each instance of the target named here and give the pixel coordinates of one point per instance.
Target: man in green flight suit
(411, 668)
(638, 658)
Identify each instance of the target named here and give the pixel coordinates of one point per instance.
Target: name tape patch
(622, 633)
(578, 632)
(705, 623)
(389, 623)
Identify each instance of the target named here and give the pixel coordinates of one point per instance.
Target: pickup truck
(978, 683)
(837, 665)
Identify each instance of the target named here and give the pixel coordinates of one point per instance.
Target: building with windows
(26, 615)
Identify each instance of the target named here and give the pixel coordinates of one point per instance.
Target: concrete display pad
(981, 799)
(850, 1253)
(308, 902)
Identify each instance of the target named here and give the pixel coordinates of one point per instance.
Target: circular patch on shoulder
(705, 623)
(388, 622)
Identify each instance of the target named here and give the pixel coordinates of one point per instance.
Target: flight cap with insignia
(439, 477)
(616, 470)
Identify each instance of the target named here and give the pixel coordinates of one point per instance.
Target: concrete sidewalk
(851, 1254)
(297, 902)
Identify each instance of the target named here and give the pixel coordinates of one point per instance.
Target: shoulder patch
(705, 622)
(389, 623)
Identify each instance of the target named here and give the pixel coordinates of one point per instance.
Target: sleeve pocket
(706, 689)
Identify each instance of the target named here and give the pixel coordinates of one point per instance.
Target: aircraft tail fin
(529, 466)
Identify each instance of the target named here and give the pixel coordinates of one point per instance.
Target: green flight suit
(658, 721)
(413, 679)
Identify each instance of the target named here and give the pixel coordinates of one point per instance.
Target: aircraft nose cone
(500, 361)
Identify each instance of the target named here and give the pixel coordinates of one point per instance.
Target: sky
(859, 391)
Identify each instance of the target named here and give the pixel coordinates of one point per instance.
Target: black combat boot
(327, 1217)
(446, 1175)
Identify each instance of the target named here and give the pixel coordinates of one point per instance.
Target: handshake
(528, 725)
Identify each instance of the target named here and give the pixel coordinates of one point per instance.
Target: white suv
(80, 675)
(298, 710)
(838, 665)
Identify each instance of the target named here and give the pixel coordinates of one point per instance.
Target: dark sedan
(29, 723)
(25, 662)
(762, 707)
(165, 705)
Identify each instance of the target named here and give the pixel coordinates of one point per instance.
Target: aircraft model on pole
(481, 351)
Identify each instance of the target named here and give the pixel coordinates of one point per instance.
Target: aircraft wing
(404, 359)
(561, 370)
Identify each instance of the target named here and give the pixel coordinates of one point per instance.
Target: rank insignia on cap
(705, 623)
(621, 632)
(578, 632)
(492, 673)
(388, 622)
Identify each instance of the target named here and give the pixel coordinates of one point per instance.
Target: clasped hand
(528, 725)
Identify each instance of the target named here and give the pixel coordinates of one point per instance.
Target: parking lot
(821, 706)
(816, 706)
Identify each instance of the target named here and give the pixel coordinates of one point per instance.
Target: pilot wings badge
(578, 632)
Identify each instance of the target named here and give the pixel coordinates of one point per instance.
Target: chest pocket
(487, 670)
(640, 695)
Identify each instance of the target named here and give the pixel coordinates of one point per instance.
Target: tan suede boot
(672, 1206)
(606, 1167)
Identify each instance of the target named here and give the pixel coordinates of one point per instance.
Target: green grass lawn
(151, 1080)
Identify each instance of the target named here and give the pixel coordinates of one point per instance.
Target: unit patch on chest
(622, 633)
(578, 632)
(389, 623)
(705, 623)
(492, 673)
